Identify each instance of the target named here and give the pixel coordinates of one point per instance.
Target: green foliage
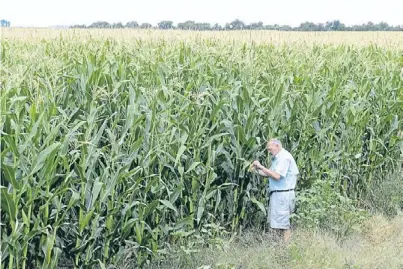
(109, 145)
(165, 25)
(322, 206)
(132, 24)
(378, 245)
(386, 196)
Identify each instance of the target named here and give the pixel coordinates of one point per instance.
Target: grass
(378, 245)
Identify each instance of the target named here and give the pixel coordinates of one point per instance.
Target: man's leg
(286, 235)
(287, 232)
(275, 233)
(283, 233)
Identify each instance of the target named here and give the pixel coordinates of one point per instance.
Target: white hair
(276, 141)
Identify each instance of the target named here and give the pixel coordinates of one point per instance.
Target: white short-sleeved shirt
(284, 164)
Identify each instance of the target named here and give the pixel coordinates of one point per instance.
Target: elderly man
(282, 180)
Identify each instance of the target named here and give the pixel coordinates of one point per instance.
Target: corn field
(108, 143)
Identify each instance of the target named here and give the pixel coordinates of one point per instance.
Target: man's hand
(257, 164)
(263, 171)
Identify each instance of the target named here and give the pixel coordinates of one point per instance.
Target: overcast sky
(42, 13)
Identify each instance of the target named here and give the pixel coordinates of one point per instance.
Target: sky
(44, 13)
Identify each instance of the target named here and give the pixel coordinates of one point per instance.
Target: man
(282, 180)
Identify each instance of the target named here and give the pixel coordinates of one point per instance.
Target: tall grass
(107, 144)
(378, 245)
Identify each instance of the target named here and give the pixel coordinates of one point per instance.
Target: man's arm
(264, 172)
(260, 172)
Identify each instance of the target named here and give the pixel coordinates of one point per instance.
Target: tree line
(237, 24)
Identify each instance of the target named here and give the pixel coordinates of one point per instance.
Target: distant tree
(396, 28)
(191, 25)
(256, 26)
(307, 26)
(100, 24)
(235, 25)
(363, 27)
(187, 25)
(383, 26)
(117, 25)
(356, 28)
(320, 27)
(146, 25)
(203, 26)
(216, 27)
(334, 26)
(269, 27)
(78, 26)
(165, 25)
(132, 24)
(284, 28)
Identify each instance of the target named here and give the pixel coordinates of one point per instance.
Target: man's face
(273, 148)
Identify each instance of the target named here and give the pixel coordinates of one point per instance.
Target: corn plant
(111, 143)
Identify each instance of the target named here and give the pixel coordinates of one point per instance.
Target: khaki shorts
(281, 205)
